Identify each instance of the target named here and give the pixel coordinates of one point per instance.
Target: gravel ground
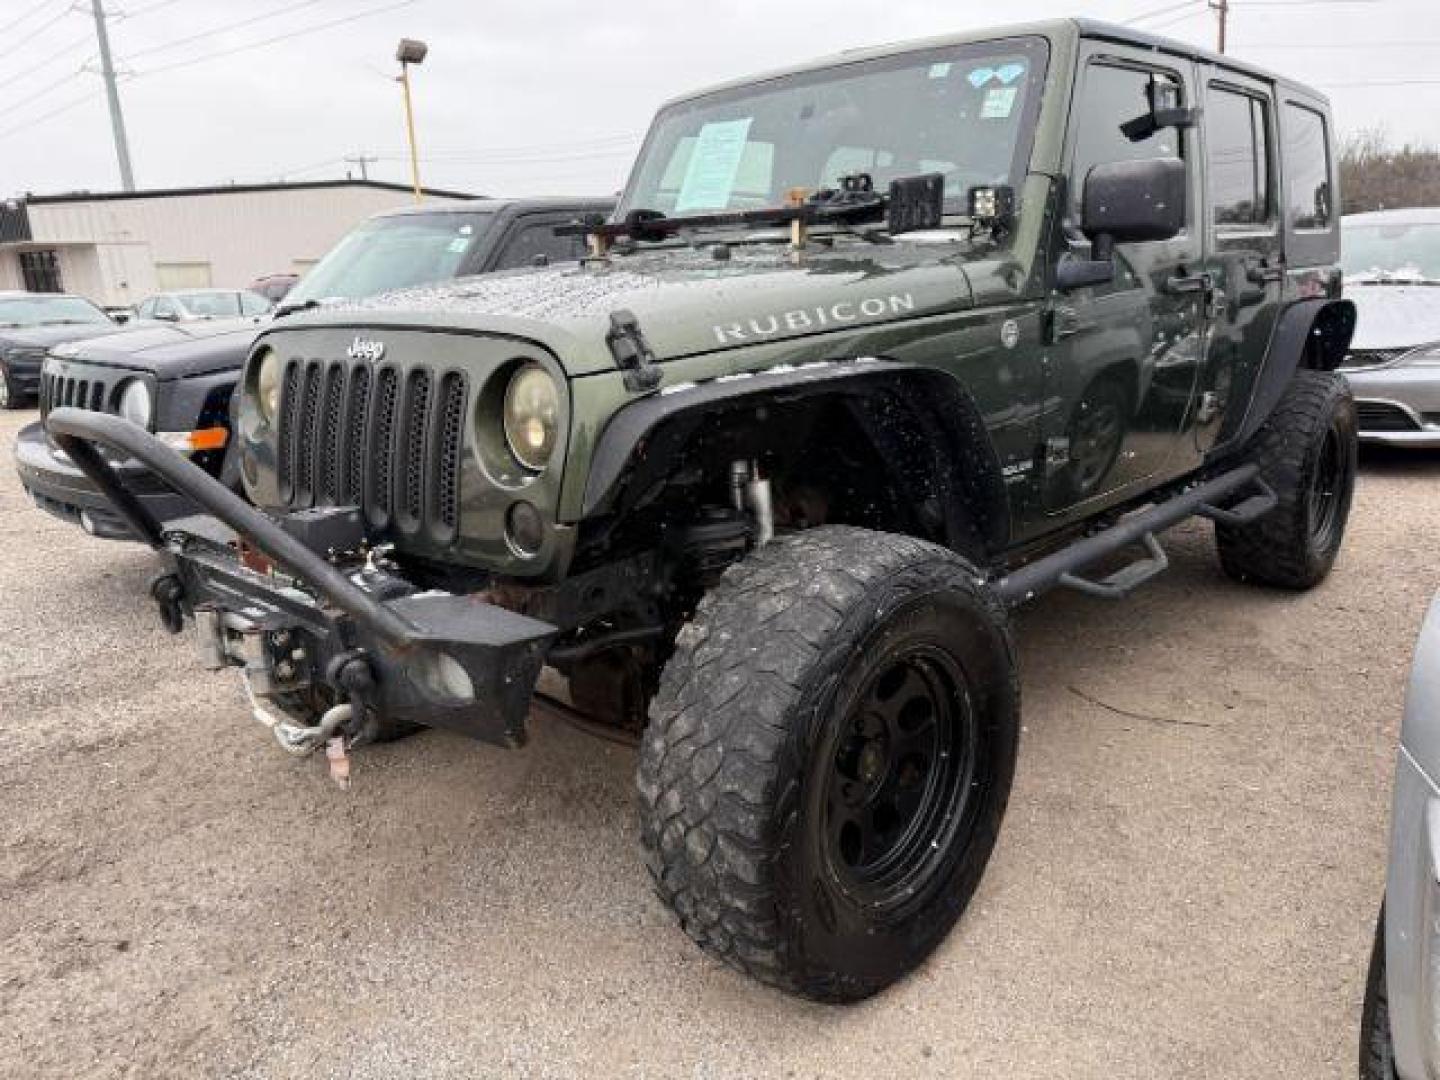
(1185, 885)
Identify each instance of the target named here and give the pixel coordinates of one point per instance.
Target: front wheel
(9, 395)
(829, 757)
(1307, 452)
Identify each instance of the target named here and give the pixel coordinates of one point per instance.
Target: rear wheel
(829, 758)
(1377, 1051)
(1306, 451)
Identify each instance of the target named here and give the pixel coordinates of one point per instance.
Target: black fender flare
(1311, 333)
(645, 436)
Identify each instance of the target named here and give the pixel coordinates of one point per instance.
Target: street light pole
(410, 52)
(1222, 9)
(117, 118)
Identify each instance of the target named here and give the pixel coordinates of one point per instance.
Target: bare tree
(1375, 176)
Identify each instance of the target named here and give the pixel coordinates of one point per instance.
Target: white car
(1392, 273)
(186, 305)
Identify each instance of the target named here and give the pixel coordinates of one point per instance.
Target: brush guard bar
(360, 635)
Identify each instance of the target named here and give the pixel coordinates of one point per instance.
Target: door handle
(1262, 273)
(1182, 284)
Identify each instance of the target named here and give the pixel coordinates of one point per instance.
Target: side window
(165, 308)
(146, 310)
(1114, 95)
(254, 303)
(1307, 164)
(1237, 157)
(523, 245)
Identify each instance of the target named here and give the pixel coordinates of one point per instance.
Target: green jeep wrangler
(872, 350)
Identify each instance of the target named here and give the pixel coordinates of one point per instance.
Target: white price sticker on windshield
(999, 102)
(710, 176)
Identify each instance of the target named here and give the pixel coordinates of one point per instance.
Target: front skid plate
(288, 642)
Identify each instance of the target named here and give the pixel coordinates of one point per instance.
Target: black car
(30, 323)
(177, 380)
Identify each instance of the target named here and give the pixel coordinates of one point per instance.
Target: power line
(168, 45)
(139, 13)
(75, 104)
(15, 106)
(16, 22)
(272, 40)
(33, 34)
(1157, 12)
(73, 47)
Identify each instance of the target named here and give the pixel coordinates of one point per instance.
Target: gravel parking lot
(1185, 886)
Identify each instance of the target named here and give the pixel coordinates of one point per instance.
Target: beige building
(119, 248)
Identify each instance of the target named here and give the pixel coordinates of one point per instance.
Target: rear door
(1244, 245)
(1121, 375)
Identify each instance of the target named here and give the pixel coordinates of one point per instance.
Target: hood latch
(632, 352)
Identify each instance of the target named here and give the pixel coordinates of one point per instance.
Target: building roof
(228, 189)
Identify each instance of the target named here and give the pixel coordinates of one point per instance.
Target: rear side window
(539, 239)
(1307, 164)
(1237, 140)
(1113, 96)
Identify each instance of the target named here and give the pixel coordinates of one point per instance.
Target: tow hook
(167, 591)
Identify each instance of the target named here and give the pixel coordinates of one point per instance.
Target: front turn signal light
(192, 442)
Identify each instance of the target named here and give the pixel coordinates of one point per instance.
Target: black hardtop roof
(1052, 28)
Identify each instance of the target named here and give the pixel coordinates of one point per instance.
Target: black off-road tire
(1307, 453)
(10, 398)
(758, 712)
(1377, 1050)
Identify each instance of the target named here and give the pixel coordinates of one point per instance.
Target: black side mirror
(1125, 202)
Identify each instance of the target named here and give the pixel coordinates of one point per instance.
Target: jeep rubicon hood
(686, 301)
(171, 351)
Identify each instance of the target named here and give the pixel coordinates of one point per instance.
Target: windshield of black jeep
(48, 311)
(966, 112)
(393, 253)
(1400, 251)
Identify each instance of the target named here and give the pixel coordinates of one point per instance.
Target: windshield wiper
(290, 307)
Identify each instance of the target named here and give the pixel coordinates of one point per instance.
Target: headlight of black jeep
(267, 386)
(532, 414)
(135, 404)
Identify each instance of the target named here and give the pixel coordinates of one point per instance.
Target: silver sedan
(1400, 1034)
(1392, 273)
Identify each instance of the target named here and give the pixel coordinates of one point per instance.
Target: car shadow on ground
(1399, 462)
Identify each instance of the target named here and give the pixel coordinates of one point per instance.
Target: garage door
(182, 275)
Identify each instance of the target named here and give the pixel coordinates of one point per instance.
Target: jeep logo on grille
(364, 349)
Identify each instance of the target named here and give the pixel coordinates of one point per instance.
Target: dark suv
(177, 381)
(30, 323)
(875, 349)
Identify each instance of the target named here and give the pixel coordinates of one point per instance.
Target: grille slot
(388, 439)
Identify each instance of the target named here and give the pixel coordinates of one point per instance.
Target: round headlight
(267, 386)
(532, 414)
(135, 403)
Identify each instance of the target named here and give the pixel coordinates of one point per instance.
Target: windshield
(210, 305)
(965, 111)
(1406, 251)
(49, 310)
(393, 253)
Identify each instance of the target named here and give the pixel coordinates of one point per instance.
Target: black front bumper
(312, 632)
(55, 484)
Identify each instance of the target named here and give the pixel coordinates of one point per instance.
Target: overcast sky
(529, 97)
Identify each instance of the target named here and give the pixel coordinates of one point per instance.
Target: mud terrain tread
(718, 747)
(1276, 550)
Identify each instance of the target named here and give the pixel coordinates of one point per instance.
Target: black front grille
(384, 438)
(1381, 416)
(72, 391)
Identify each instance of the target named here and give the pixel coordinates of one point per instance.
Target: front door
(1122, 372)
(1244, 247)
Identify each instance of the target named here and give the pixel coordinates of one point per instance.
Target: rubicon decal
(804, 320)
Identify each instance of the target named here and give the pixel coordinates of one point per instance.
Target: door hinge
(632, 352)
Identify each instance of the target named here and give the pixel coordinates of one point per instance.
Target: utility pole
(117, 118)
(364, 162)
(1222, 9)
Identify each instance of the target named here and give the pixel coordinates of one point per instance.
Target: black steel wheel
(829, 757)
(1307, 452)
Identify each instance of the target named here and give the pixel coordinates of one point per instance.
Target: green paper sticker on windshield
(714, 161)
(999, 102)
